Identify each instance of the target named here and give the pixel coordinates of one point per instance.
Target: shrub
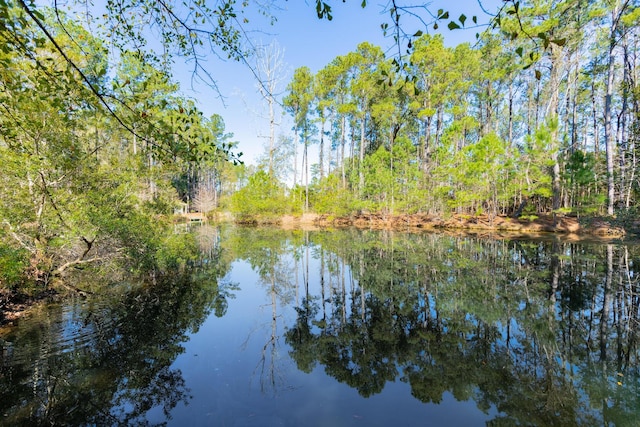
(13, 264)
(262, 197)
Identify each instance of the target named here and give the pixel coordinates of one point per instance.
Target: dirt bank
(569, 226)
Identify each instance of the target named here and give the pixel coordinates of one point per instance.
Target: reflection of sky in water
(230, 386)
(240, 370)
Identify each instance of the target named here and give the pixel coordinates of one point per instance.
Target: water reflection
(108, 362)
(530, 332)
(544, 332)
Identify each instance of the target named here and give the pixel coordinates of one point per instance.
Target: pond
(342, 328)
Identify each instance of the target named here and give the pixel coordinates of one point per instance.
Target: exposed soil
(569, 227)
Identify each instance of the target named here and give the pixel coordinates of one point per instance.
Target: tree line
(540, 115)
(98, 147)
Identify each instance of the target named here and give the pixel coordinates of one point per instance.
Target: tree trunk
(361, 165)
(321, 150)
(305, 161)
(343, 138)
(556, 53)
(608, 128)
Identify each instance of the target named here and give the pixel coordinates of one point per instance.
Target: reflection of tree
(265, 250)
(119, 366)
(522, 326)
(301, 337)
(544, 332)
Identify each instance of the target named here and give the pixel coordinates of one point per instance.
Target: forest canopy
(540, 115)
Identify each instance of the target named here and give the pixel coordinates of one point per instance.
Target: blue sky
(306, 41)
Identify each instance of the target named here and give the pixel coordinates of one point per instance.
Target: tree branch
(58, 271)
(17, 238)
(85, 79)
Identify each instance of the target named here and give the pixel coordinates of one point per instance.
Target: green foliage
(13, 265)
(90, 182)
(580, 173)
(378, 179)
(453, 103)
(479, 174)
(537, 162)
(327, 197)
(263, 198)
(580, 168)
(298, 100)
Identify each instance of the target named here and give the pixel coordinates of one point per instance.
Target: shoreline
(13, 306)
(569, 227)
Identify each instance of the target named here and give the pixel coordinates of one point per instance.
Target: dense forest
(99, 148)
(539, 116)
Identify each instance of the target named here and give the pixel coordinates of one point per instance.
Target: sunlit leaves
(262, 198)
(86, 186)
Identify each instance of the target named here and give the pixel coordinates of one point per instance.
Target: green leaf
(453, 26)
(538, 74)
(519, 51)
(462, 19)
(38, 14)
(418, 34)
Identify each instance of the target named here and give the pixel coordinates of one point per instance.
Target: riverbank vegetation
(86, 184)
(98, 151)
(475, 129)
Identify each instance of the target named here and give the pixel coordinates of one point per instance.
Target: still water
(342, 328)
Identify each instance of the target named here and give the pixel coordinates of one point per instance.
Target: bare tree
(271, 74)
(205, 199)
(278, 158)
